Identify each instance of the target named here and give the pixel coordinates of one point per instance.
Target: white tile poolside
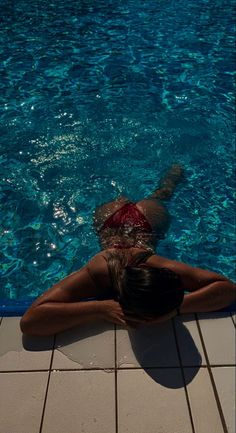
(22, 353)
(80, 401)
(218, 332)
(152, 400)
(98, 379)
(21, 401)
(225, 381)
(202, 402)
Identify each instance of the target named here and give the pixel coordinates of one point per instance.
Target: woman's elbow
(27, 324)
(228, 292)
(30, 324)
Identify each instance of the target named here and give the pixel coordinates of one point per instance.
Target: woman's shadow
(167, 351)
(164, 350)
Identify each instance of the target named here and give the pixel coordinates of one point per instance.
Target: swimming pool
(97, 100)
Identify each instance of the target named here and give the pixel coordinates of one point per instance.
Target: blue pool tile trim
(18, 308)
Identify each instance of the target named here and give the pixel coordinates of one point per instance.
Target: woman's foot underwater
(168, 183)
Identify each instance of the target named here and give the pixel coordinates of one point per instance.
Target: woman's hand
(112, 311)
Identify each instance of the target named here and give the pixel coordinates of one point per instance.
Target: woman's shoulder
(163, 262)
(98, 270)
(98, 261)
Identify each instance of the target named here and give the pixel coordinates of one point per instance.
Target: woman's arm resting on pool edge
(209, 291)
(212, 297)
(52, 317)
(60, 307)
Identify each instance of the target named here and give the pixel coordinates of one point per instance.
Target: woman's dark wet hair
(140, 288)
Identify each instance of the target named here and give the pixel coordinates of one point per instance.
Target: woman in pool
(130, 283)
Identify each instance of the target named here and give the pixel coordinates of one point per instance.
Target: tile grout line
(232, 319)
(47, 386)
(211, 377)
(167, 367)
(118, 369)
(116, 397)
(183, 377)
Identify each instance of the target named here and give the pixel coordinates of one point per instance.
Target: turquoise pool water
(97, 100)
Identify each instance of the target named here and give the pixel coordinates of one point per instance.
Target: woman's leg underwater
(153, 208)
(168, 183)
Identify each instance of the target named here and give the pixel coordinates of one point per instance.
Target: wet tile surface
(80, 401)
(90, 346)
(22, 353)
(21, 401)
(152, 346)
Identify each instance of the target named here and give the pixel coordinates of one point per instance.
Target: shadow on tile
(82, 332)
(154, 349)
(89, 346)
(37, 344)
(214, 315)
(173, 380)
